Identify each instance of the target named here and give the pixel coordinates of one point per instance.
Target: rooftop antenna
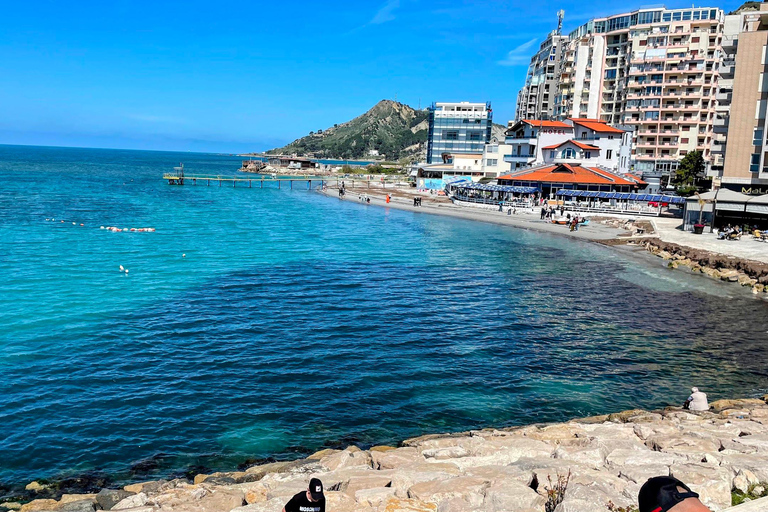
(560, 16)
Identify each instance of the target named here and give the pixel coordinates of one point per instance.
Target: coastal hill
(389, 130)
(392, 129)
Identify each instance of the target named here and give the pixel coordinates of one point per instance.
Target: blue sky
(234, 76)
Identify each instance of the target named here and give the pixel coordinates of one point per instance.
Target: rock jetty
(607, 457)
(717, 266)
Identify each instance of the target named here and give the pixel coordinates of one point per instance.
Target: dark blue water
(297, 322)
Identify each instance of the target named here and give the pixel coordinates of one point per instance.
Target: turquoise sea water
(297, 322)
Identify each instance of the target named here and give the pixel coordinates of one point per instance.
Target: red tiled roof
(569, 173)
(575, 143)
(636, 179)
(546, 124)
(595, 125)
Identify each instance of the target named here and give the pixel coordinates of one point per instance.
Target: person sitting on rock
(697, 401)
(668, 494)
(311, 500)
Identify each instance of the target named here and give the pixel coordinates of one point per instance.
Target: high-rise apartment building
(741, 152)
(458, 128)
(654, 70)
(536, 100)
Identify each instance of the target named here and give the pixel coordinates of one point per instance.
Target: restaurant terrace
(551, 178)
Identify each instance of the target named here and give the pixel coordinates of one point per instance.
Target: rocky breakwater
(717, 266)
(608, 459)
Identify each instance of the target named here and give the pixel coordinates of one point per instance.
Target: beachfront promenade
(669, 230)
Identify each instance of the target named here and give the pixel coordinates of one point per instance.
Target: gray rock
(108, 498)
(78, 506)
(220, 480)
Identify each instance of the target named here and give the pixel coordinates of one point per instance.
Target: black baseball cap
(661, 493)
(316, 489)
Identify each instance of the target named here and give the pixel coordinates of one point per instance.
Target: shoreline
(719, 452)
(594, 232)
(715, 265)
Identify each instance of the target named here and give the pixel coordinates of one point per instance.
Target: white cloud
(386, 13)
(519, 55)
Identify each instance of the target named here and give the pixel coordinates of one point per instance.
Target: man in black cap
(667, 494)
(311, 500)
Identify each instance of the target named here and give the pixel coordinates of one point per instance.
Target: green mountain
(393, 129)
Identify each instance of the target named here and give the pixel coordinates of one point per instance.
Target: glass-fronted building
(457, 128)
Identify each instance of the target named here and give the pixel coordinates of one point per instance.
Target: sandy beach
(402, 199)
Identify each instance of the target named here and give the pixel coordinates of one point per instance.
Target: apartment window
(551, 154)
(587, 154)
(568, 153)
(492, 162)
(475, 135)
(757, 137)
(610, 137)
(608, 154)
(493, 148)
(684, 141)
(754, 164)
(452, 135)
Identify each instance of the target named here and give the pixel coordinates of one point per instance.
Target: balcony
(520, 140)
(717, 149)
(513, 159)
(727, 69)
(724, 97)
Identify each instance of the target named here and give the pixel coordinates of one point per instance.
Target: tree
(690, 170)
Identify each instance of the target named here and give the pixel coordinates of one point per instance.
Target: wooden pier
(219, 180)
(180, 178)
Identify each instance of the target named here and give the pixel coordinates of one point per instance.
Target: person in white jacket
(697, 401)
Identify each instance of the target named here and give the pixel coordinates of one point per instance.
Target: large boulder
(739, 403)
(712, 483)
(509, 494)
(468, 488)
(135, 500)
(744, 461)
(623, 457)
(374, 497)
(683, 443)
(78, 506)
(408, 505)
(108, 498)
(641, 474)
(42, 504)
(582, 450)
(201, 499)
(376, 479)
(405, 478)
(351, 456)
(392, 459)
(146, 487)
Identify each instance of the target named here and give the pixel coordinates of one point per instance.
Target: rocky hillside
(392, 129)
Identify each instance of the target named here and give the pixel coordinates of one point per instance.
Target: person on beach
(389, 198)
(697, 401)
(311, 500)
(543, 213)
(668, 494)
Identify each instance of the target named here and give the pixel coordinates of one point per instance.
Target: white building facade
(585, 140)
